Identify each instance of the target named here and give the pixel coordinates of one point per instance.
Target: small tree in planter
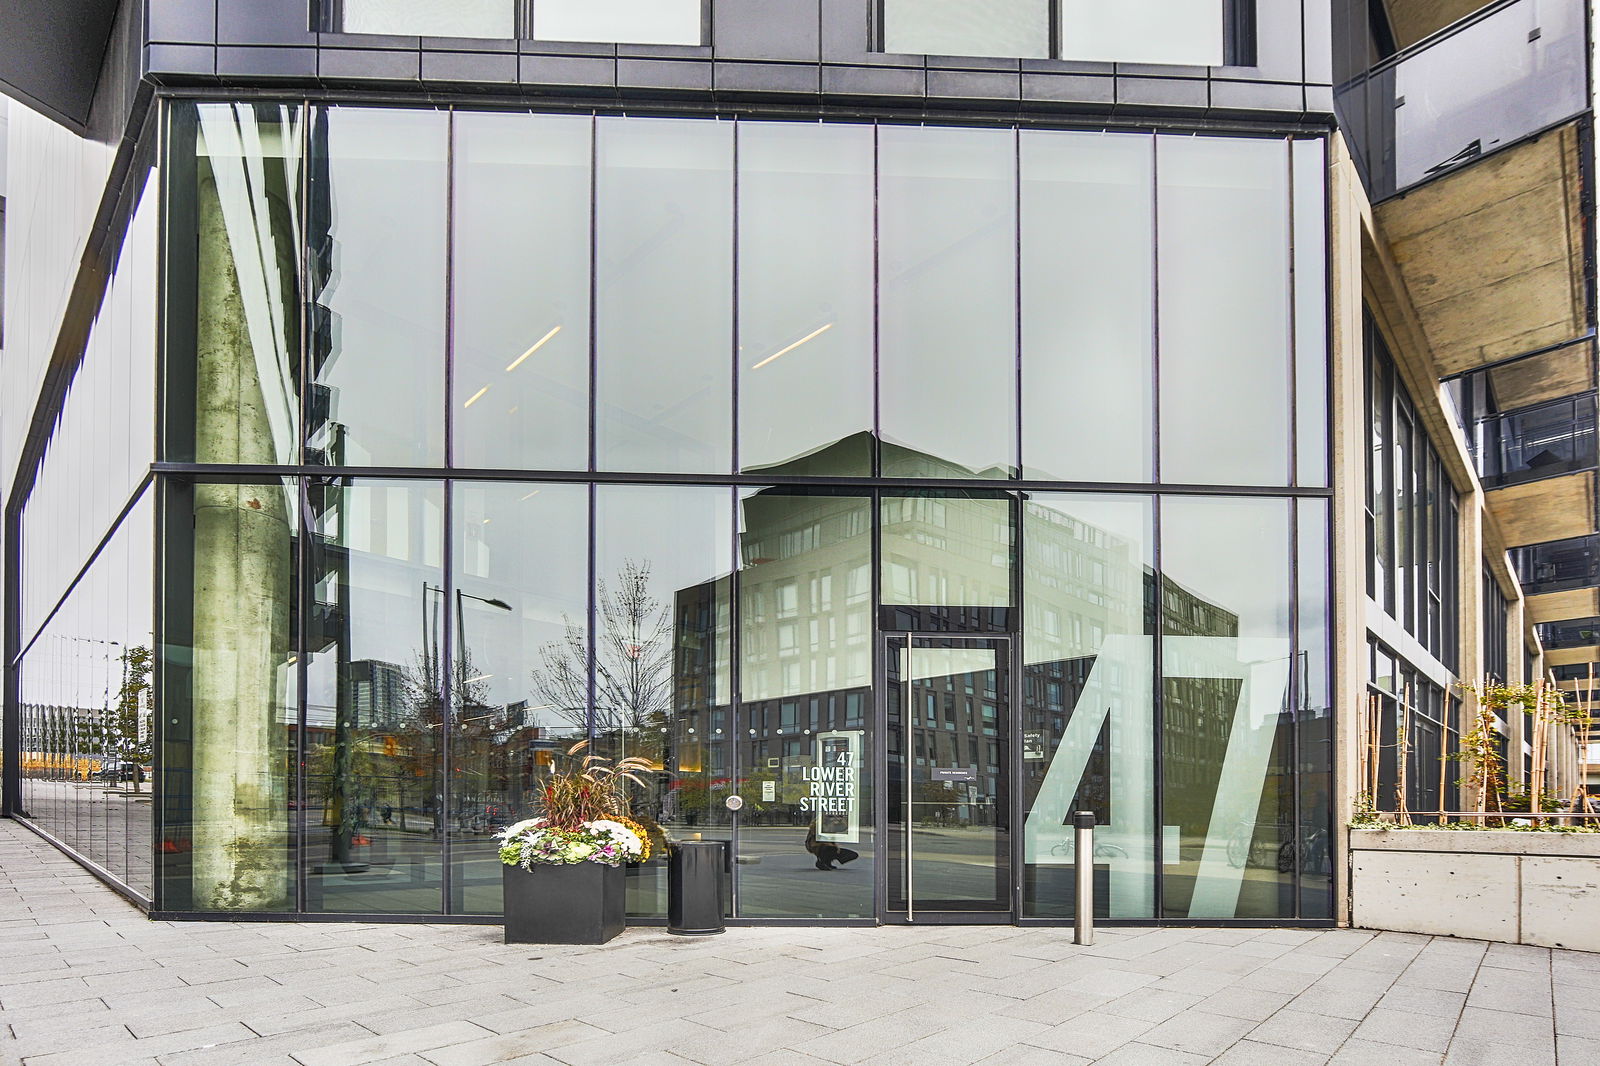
(563, 870)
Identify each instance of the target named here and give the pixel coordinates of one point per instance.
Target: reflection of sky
(76, 660)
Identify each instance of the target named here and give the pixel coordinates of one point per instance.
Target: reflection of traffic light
(390, 748)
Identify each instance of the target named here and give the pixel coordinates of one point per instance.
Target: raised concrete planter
(1516, 888)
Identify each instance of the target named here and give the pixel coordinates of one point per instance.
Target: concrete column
(243, 541)
(1349, 501)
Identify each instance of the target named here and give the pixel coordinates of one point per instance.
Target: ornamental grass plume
(594, 790)
(584, 817)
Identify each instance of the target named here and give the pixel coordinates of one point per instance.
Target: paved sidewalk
(85, 980)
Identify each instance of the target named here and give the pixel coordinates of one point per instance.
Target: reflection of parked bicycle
(1249, 847)
(1101, 851)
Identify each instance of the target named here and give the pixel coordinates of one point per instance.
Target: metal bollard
(1083, 845)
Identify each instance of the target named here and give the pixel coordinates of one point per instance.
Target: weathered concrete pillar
(242, 583)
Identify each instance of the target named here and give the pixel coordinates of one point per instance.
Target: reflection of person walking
(828, 853)
(388, 814)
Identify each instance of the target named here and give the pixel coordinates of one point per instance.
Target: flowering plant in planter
(562, 869)
(583, 817)
(608, 841)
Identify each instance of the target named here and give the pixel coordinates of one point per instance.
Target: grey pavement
(85, 980)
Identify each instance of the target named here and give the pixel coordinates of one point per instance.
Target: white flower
(625, 838)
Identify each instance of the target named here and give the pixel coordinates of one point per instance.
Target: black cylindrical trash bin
(695, 869)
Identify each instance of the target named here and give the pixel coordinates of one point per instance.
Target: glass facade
(84, 612)
(1413, 567)
(890, 479)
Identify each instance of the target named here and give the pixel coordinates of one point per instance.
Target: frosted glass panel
(630, 21)
(1019, 28)
(1143, 31)
(431, 18)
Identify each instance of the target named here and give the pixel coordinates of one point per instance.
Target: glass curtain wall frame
(228, 677)
(712, 654)
(517, 385)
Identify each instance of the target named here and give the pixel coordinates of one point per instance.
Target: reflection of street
(104, 820)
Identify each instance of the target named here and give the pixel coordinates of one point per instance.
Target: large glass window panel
(521, 654)
(1188, 32)
(1088, 291)
(1226, 662)
(805, 298)
(1311, 310)
(948, 310)
(663, 689)
(1010, 28)
(947, 550)
(377, 234)
(1223, 206)
(375, 698)
(678, 22)
(521, 291)
(664, 285)
(429, 18)
(1088, 723)
(85, 688)
(228, 689)
(805, 734)
(1314, 712)
(234, 292)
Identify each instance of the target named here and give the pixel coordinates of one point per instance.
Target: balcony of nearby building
(1474, 145)
(1561, 579)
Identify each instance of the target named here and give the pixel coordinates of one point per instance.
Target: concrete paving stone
(1477, 1025)
(1421, 1031)
(859, 1043)
(840, 1015)
(1028, 1055)
(1578, 1021)
(1270, 978)
(1576, 1050)
(1151, 1004)
(1338, 1002)
(1515, 991)
(1366, 1053)
(971, 1043)
(1518, 957)
(1413, 999)
(1253, 1053)
(1140, 1054)
(372, 1048)
(261, 1049)
(400, 1020)
(1305, 962)
(604, 1050)
(1304, 1031)
(116, 1054)
(1256, 1004)
(1440, 975)
(716, 1048)
(1053, 1008)
(1197, 981)
(1499, 1055)
(1093, 1034)
(1198, 1032)
(493, 1049)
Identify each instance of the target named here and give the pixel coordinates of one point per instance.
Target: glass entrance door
(948, 801)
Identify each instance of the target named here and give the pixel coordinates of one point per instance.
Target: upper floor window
(600, 21)
(1187, 32)
(427, 18)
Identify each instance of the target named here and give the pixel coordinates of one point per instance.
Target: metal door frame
(1010, 757)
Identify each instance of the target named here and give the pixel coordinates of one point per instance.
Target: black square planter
(578, 904)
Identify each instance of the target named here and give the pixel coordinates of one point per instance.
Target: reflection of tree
(401, 744)
(633, 659)
(129, 722)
